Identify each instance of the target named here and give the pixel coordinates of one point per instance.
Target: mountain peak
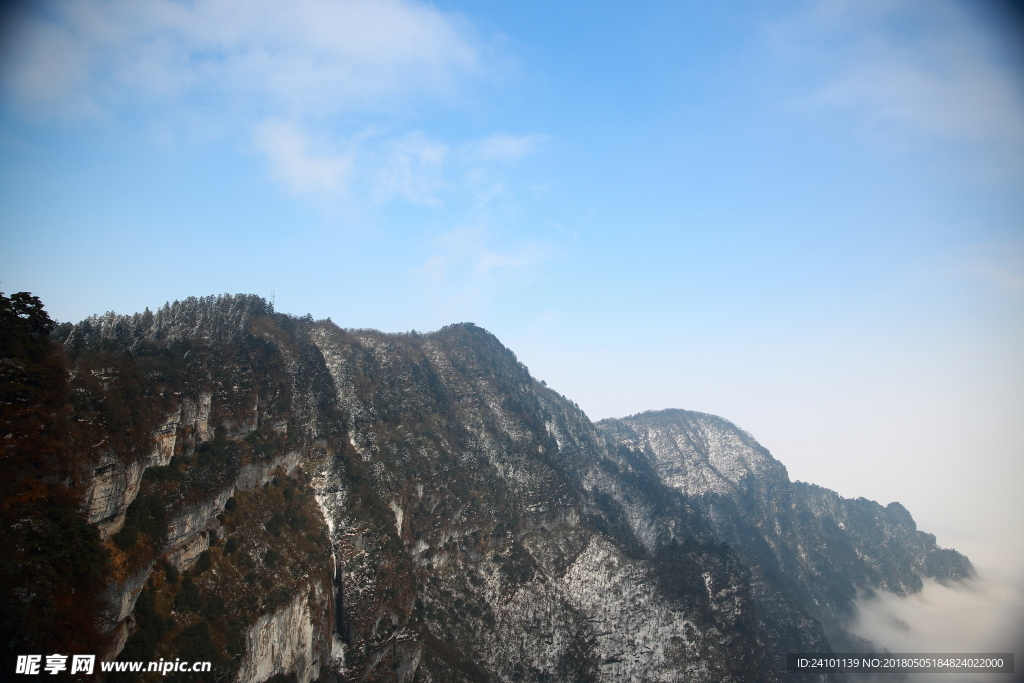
(420, 508)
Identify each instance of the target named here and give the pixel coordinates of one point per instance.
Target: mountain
(295, 501)
(799, 540)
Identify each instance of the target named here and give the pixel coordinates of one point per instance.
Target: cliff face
(797, 538)
(490, 532)
(284, 497)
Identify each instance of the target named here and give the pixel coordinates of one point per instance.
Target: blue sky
(805, 216)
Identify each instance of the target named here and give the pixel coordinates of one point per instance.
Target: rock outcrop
(804, 539)
(326, 504)
(289, 640)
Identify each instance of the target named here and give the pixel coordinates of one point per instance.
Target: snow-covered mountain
(288, 498)
(797, 539)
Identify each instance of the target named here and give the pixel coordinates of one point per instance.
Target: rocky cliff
(798, 539)
(289, 499)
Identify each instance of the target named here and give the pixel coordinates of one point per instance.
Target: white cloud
(378, 168)
(468, 268)
(976, 616)
(1002, 264)
(484, 163)
(509, 149)
(319, 88)
(944, 93)
(374, 167)
(301, 58)
(412, 170)
(932, 69)
(467, 252)
(295, 163)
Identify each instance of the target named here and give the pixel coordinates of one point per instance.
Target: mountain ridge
(429, 511)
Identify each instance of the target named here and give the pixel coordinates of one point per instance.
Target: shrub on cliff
(52, 572)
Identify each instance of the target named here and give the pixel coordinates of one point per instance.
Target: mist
(984, 614)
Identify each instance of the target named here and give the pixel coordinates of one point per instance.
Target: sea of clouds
(982, 615)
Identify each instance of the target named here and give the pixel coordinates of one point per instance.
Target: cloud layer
(317, 58)
(931, 70)
(314, 86)
(469, 266)
(982, 615)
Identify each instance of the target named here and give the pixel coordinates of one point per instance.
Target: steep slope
(802, 538)
(287, 498)
(514, 544)
(191, 425)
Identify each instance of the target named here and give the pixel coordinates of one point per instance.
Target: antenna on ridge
(273, 298)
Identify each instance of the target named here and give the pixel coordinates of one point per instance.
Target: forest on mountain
(286, 498)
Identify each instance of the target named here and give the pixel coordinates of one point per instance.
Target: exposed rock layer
(419, 508)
